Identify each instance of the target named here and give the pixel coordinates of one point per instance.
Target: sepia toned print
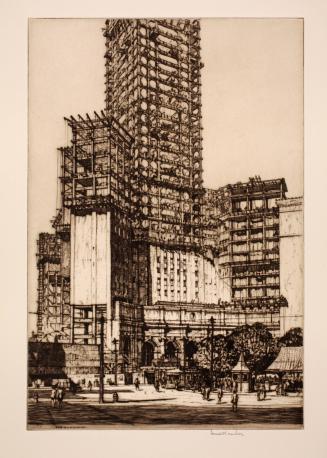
(163, 302)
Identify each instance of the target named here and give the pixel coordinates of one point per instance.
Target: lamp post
(212, 321)
(101, 375)
(115, 342)
(184, 360)
(185, 340)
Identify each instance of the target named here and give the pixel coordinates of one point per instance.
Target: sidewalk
(147, 395)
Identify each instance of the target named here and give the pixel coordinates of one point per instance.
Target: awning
(174, 371)
(289, 359)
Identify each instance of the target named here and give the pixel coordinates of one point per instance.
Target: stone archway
(126, 346)
(171, 350)
(191, 348)
(147, 353)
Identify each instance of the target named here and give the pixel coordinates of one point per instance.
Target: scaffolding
(246, 232)
(53, 308)
(153, 88)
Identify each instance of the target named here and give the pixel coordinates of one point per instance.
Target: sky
(252, 105)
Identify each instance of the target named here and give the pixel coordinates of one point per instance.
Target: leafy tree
(220, 355)
(255, 341)
(257, 344)
(292, 338)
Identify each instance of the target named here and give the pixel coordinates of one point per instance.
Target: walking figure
(220, 394)
(89, 385)
(234, 401)
(53, 396)
(60, 397)
(137, 384)
(157, 385)
(36, 397)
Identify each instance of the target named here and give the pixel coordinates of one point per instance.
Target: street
(166, 409)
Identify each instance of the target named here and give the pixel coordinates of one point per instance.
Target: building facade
(291, 262)
(138, 239)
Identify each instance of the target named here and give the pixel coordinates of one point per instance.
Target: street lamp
(101, 375)
(212, 322)
(185, 340)
(115, 342)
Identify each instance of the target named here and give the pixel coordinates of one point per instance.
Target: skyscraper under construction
(138, 239)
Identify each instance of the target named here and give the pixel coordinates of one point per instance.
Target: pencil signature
(226, 433)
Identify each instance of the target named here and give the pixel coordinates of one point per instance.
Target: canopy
(289, 359)
(174, 371)
(241, 366)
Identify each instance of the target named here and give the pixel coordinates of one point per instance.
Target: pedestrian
(53, 396)
(89, 385)
(220, 394)
(157, 385)
(115, 397)
(36, 397)
(137, 384)
(234, 400)
(258, 392)
(60, 397)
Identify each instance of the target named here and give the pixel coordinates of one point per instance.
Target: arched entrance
(127, 347)
(147, 353)
(126, 359)
(190, 349)
(171, 351)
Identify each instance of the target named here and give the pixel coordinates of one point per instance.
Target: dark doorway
(171, 350)
(147, 354)
(190, 349)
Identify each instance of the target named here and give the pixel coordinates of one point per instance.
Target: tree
(257, 344)
(202, 357)
(255, 341)
(292, 338)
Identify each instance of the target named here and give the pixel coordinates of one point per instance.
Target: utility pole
(184, 362)
(101, 387)
(115, 342)
(185, 340)
(212, 321)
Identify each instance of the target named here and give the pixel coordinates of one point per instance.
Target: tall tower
(153, 89)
